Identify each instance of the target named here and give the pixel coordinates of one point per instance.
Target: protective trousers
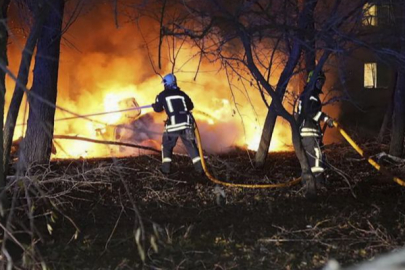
(169, 142)
(312, 146)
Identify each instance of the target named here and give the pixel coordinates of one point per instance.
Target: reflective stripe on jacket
(177, 106)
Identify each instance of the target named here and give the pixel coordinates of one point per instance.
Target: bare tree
(4, 62)
(398, 117)
(305, 22)
(246, 35)
(387, 121)
(38, 139)
(41, 11)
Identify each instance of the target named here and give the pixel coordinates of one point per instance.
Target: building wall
(366, 107)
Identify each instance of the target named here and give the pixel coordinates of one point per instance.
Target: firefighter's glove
(156, 107)
(329, 122)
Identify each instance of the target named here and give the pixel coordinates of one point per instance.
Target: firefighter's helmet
(169, 81)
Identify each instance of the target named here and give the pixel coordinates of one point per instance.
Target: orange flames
(112, 70)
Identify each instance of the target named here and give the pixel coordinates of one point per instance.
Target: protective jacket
(179, 124)
(310, 114)
(177, 106)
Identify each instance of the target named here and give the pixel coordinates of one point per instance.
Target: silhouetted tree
(398, 117)
(3, 62)
(304, 25)
(41, 9)
(38, 139)
(246, 35)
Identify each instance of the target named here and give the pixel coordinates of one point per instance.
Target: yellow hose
(216, 181)
(361, 152)
(294, 181)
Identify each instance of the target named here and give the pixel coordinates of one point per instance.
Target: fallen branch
(67, 137)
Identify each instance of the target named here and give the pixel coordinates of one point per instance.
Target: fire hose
(361, 153)
(294, 181)
(277, 185)
(216, 181)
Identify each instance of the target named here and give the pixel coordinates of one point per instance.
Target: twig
(115, 227)
(161, 35)
(116, 14)
(67, 137)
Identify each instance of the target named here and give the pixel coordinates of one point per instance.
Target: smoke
(100, 66)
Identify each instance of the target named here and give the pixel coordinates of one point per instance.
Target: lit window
(370, 15)
(370, 75)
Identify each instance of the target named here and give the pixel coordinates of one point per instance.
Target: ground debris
(125, 207)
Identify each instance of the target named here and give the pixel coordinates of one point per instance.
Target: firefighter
(179, 123)
(310, 116)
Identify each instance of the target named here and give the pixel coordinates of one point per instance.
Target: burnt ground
(187, 224)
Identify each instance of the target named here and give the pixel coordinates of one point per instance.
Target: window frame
(370, 75)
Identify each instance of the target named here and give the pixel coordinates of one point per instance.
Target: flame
(113, 70)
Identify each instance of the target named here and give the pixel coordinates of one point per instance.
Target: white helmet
(169, 80)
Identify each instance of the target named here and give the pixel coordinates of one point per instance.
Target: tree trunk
(4, 62)
(387, 118)
(307, 175)
(309, 49)
(270, 122)
(265, 140)
(398, 117)
(22, 80)
(37, 144)
(306, 17)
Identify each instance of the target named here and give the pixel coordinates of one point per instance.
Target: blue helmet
(169, 81)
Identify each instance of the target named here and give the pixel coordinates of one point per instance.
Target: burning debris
(141, 130)
(107, 83)
(129, 126)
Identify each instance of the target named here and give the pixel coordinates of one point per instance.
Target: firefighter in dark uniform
(310, 116)
(179, 123)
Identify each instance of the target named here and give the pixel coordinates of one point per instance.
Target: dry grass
(124, 214)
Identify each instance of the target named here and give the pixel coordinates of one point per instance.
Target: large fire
(111, 71)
